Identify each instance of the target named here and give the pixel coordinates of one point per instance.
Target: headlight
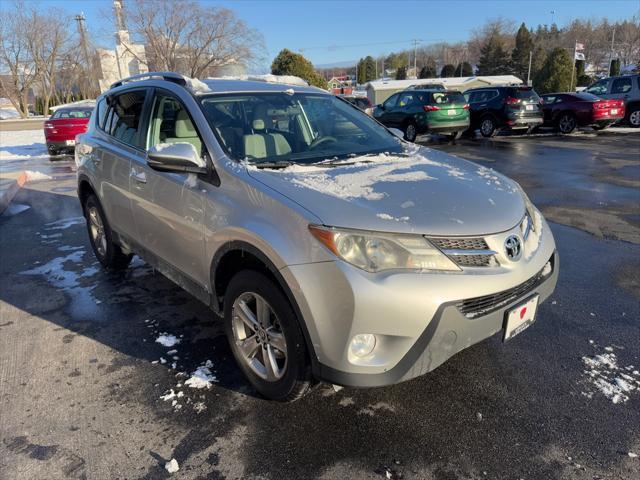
(374, 252)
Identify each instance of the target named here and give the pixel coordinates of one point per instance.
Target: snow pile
(533, 240)
(604, 375)
(270, 78)
(167, 340)
(36, 176)
(8, 112)
(202, 377)
(172, 466)
(198, 86)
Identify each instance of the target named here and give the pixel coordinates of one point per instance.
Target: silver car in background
(334, 250)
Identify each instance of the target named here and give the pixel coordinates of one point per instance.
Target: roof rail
(168, 76)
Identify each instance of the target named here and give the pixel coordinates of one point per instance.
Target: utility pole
(415, 56)
(613, 36)
(82, 32)
(529, 71)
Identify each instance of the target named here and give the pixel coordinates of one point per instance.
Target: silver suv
(333, 249)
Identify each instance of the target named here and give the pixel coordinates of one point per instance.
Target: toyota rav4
(333, 249)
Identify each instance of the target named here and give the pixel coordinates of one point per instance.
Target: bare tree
(17, 59)
(190, 38)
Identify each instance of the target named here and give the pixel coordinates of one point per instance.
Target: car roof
(240, 86)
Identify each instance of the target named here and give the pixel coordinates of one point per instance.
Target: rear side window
(621, 85)
(447, 98)
(406, 99)
(124, 118)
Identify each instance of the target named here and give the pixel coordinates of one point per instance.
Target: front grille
(475, 307)
(460, 243)
(467, 251)
(474, 260)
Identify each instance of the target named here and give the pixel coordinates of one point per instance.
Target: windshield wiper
(278, 164)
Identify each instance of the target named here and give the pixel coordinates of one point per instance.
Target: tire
(410, 132)
(633, 116)
(278, 339)
(110, 255)
(53, 151)
(567, 123)
(488, 126)
(454, 135)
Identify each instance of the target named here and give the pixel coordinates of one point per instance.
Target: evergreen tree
(463, 69)
(493, 58)
(289, 63)
(401, 73)
(555, 75)
(582, 79)
(369, 69)
(520, 54)
(614, 67)
(447, 71)
(427, 72)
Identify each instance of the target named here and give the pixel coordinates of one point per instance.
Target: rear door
(117, 142)
(621, 89)
(168, 208)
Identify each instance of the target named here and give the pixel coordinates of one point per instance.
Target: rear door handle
(139, 177)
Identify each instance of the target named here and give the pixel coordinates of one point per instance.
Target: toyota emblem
(513, 248)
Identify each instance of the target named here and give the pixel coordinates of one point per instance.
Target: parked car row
(498, 108)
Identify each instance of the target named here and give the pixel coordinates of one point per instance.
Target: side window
(479, 96)
(125, 116)
(391, 101)
(550, 99)
(491, 94)
(171, 123)
(598, 88)
(621, 85)
(101, 113)
(406, 99)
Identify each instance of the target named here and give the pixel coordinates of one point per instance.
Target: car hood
(421, 191)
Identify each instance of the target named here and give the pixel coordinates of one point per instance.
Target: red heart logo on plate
(522, 312)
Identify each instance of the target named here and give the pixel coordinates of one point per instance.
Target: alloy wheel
(259, 337)
(634, 118)
(98, 237)
(567, 123)
(410, 132)
(487, 127)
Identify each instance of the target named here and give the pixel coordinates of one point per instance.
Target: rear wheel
(410, 132)
(265, 337)
(567, 123)
(108, 253)
(633, 117)
(488, 127)
(53, 151)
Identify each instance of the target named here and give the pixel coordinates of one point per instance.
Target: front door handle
(139, 177)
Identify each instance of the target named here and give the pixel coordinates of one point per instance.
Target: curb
(9, 188)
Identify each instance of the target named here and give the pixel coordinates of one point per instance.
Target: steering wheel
(321, 140)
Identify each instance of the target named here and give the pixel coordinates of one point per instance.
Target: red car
(566, 111)
(61, 128)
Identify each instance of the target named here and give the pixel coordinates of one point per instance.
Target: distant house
(342, 84)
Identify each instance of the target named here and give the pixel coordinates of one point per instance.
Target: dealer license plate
(529, 107)
(452, 111)
(520, 318)
(70, 142)
(614, 111)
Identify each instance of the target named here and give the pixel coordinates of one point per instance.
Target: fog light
(363, 344)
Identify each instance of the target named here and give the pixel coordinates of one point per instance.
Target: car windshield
(67, 113)
(447, 98)
(296, 127)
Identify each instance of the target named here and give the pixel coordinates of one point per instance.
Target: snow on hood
(423, 190)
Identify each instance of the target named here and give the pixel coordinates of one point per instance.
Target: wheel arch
(85, 188)
(238, 255)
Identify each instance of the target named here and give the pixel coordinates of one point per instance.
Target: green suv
(425, 111)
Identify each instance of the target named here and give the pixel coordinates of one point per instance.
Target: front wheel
(109, 254)
(567, 123)
(410, 132)
(265, 337)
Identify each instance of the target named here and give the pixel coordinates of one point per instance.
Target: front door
(168, 208)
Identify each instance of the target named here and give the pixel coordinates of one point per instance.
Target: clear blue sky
(328, 30)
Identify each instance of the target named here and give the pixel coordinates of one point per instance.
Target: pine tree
(614, 67)
(463, 69)
(289, 63)
(520, 54)
(555, 75)
(369, 69)
(427, 72)
(401, 73)
(493, 58)
(447, 71)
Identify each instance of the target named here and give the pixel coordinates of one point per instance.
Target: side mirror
(176, 157)
(397, 133)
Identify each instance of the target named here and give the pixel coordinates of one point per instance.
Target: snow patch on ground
(603, 374)
(15, 209)
(64, 223)
(36, 176)
(167, 340)
(172, 466)
(202, 377)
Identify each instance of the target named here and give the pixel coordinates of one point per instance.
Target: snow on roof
(79, 103)
(449, 82)
(268, 77)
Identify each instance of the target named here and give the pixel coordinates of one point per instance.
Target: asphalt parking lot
(86, 391)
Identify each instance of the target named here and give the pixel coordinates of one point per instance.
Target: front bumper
(414, 316)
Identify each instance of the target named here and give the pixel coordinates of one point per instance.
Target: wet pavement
(87, 392)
